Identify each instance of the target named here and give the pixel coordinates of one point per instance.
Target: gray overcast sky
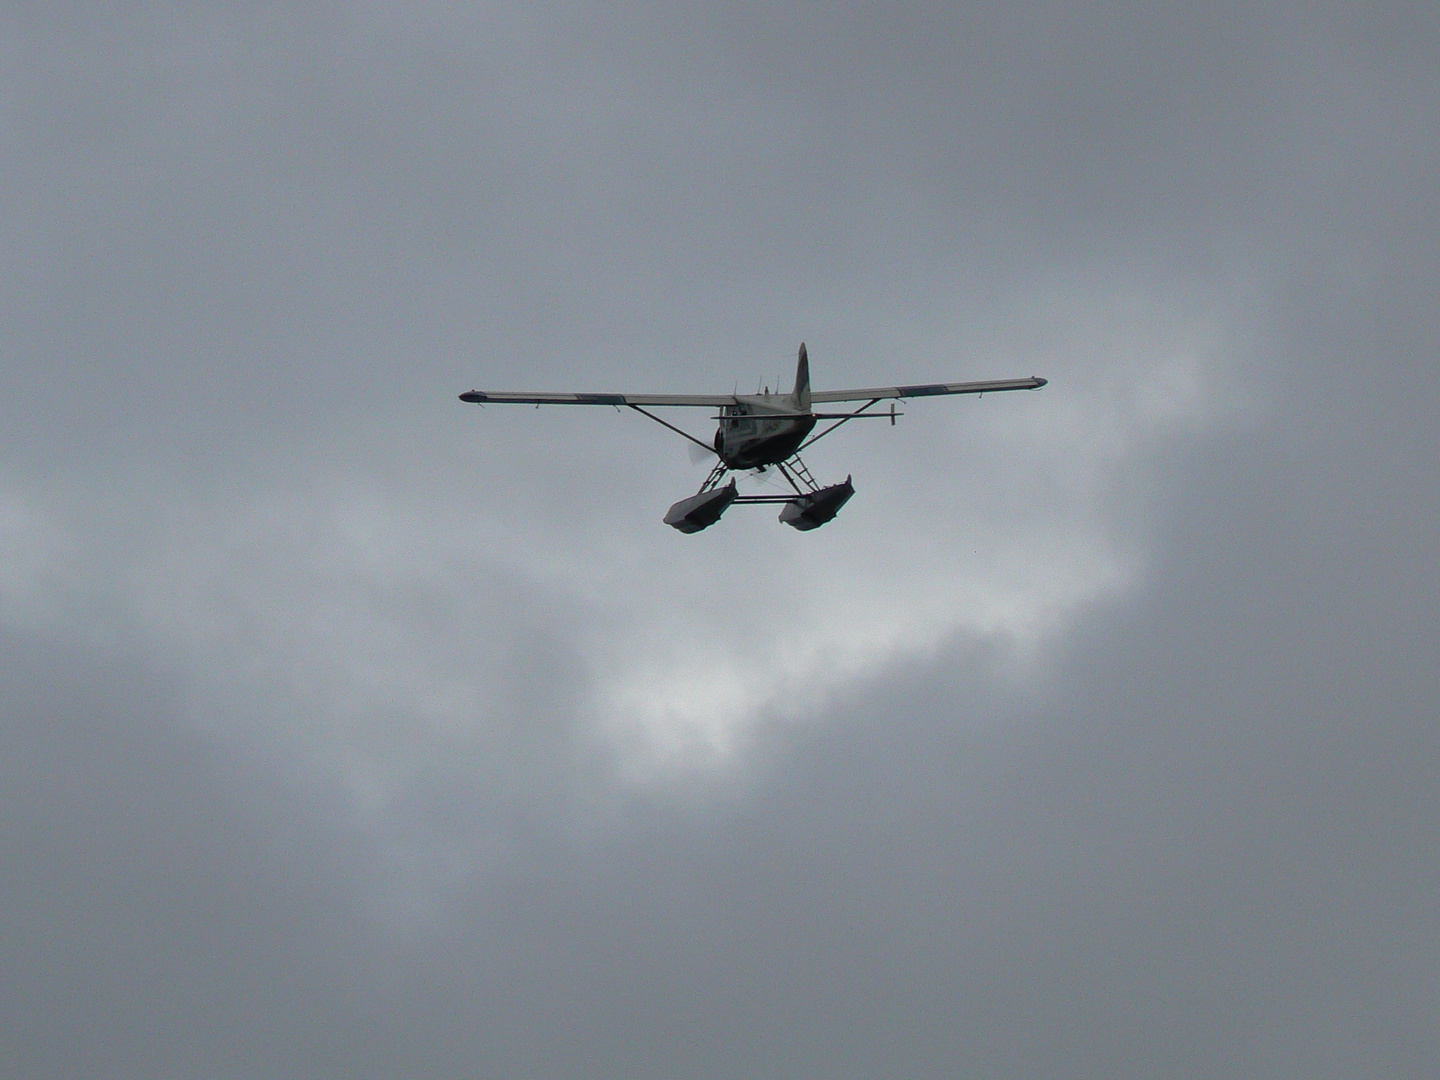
(349, 730)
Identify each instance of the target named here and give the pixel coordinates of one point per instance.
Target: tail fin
(802, 380)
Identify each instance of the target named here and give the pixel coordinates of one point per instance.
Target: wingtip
(1039, 382)
(473, 397)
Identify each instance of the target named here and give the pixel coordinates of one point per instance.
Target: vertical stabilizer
(802, 381)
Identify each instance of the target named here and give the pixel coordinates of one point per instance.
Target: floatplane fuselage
(757, 431)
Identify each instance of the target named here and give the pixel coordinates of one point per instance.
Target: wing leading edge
(481, 397)
(876, 393)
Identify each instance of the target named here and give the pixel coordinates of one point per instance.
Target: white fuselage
(762, 429)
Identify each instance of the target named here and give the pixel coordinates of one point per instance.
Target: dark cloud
(166, 907)
(1204, 848)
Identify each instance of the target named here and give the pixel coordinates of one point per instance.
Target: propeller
(699, 453)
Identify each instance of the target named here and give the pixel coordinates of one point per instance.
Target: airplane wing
(485, 397)
(876, 393)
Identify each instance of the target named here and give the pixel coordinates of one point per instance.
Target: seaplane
(758, 431)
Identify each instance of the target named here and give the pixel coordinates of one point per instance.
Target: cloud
(348, 729)
(385, 631)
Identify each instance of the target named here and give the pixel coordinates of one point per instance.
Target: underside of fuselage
(756, 452)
